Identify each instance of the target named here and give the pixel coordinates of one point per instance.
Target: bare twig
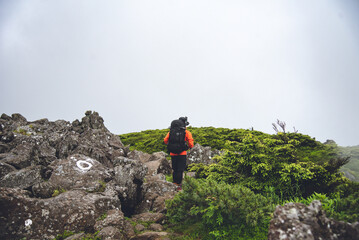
(281, 124)
(275, 128)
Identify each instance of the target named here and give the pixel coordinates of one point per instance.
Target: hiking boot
(179, 186)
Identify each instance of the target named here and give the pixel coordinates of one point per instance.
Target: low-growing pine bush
(220, 210)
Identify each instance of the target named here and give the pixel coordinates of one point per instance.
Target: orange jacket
(188, 139)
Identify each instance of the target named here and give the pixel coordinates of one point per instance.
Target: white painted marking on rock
(84, 165)
(28, 223)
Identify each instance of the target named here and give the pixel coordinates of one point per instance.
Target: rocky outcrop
(298, 221)
(42, 141)
(61, 176)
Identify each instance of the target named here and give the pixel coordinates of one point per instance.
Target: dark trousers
(178, 166)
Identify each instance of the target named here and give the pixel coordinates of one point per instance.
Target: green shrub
(347, 208)
(220, 210)
(276, 161)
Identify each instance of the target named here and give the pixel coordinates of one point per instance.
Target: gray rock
(140, 156)
(92, 120)
(65, 143)
(75, 172)
(74, 211)
(114, 226)
(200, 154)
(111, 233)
(156, 227)
(157, 164)
(5, 169)
(129, 230)
(129, 176)
(114, 218)
(154, 196)
(157, 156)
(7, 137)
(17, 117)
(298, 221)
(151, 236)
(24, 178)
(139, 228)
(95, 143)
(154, 178)
(3, 148)
(5, 116)
(149, 217)
(43, 154)
(77, 236)
(20, 156)
(45, 189)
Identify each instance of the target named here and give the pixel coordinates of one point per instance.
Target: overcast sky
(141, 64)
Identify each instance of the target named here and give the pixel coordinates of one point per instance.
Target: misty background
(141, 64)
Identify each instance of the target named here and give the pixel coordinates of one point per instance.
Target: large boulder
(129, 177)
(75, 172)
(298, 221)
(32, 218)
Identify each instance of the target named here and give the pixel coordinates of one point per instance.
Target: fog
(141, 64)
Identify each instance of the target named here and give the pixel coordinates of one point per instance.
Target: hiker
(178, 141)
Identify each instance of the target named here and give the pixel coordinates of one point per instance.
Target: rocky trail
(59, 176)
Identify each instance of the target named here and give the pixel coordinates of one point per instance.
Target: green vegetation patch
(57, 192)
(233, 198)
(220, 210)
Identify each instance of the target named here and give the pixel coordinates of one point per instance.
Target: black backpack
(176, 143)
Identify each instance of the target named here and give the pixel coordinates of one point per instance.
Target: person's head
(184, 120)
